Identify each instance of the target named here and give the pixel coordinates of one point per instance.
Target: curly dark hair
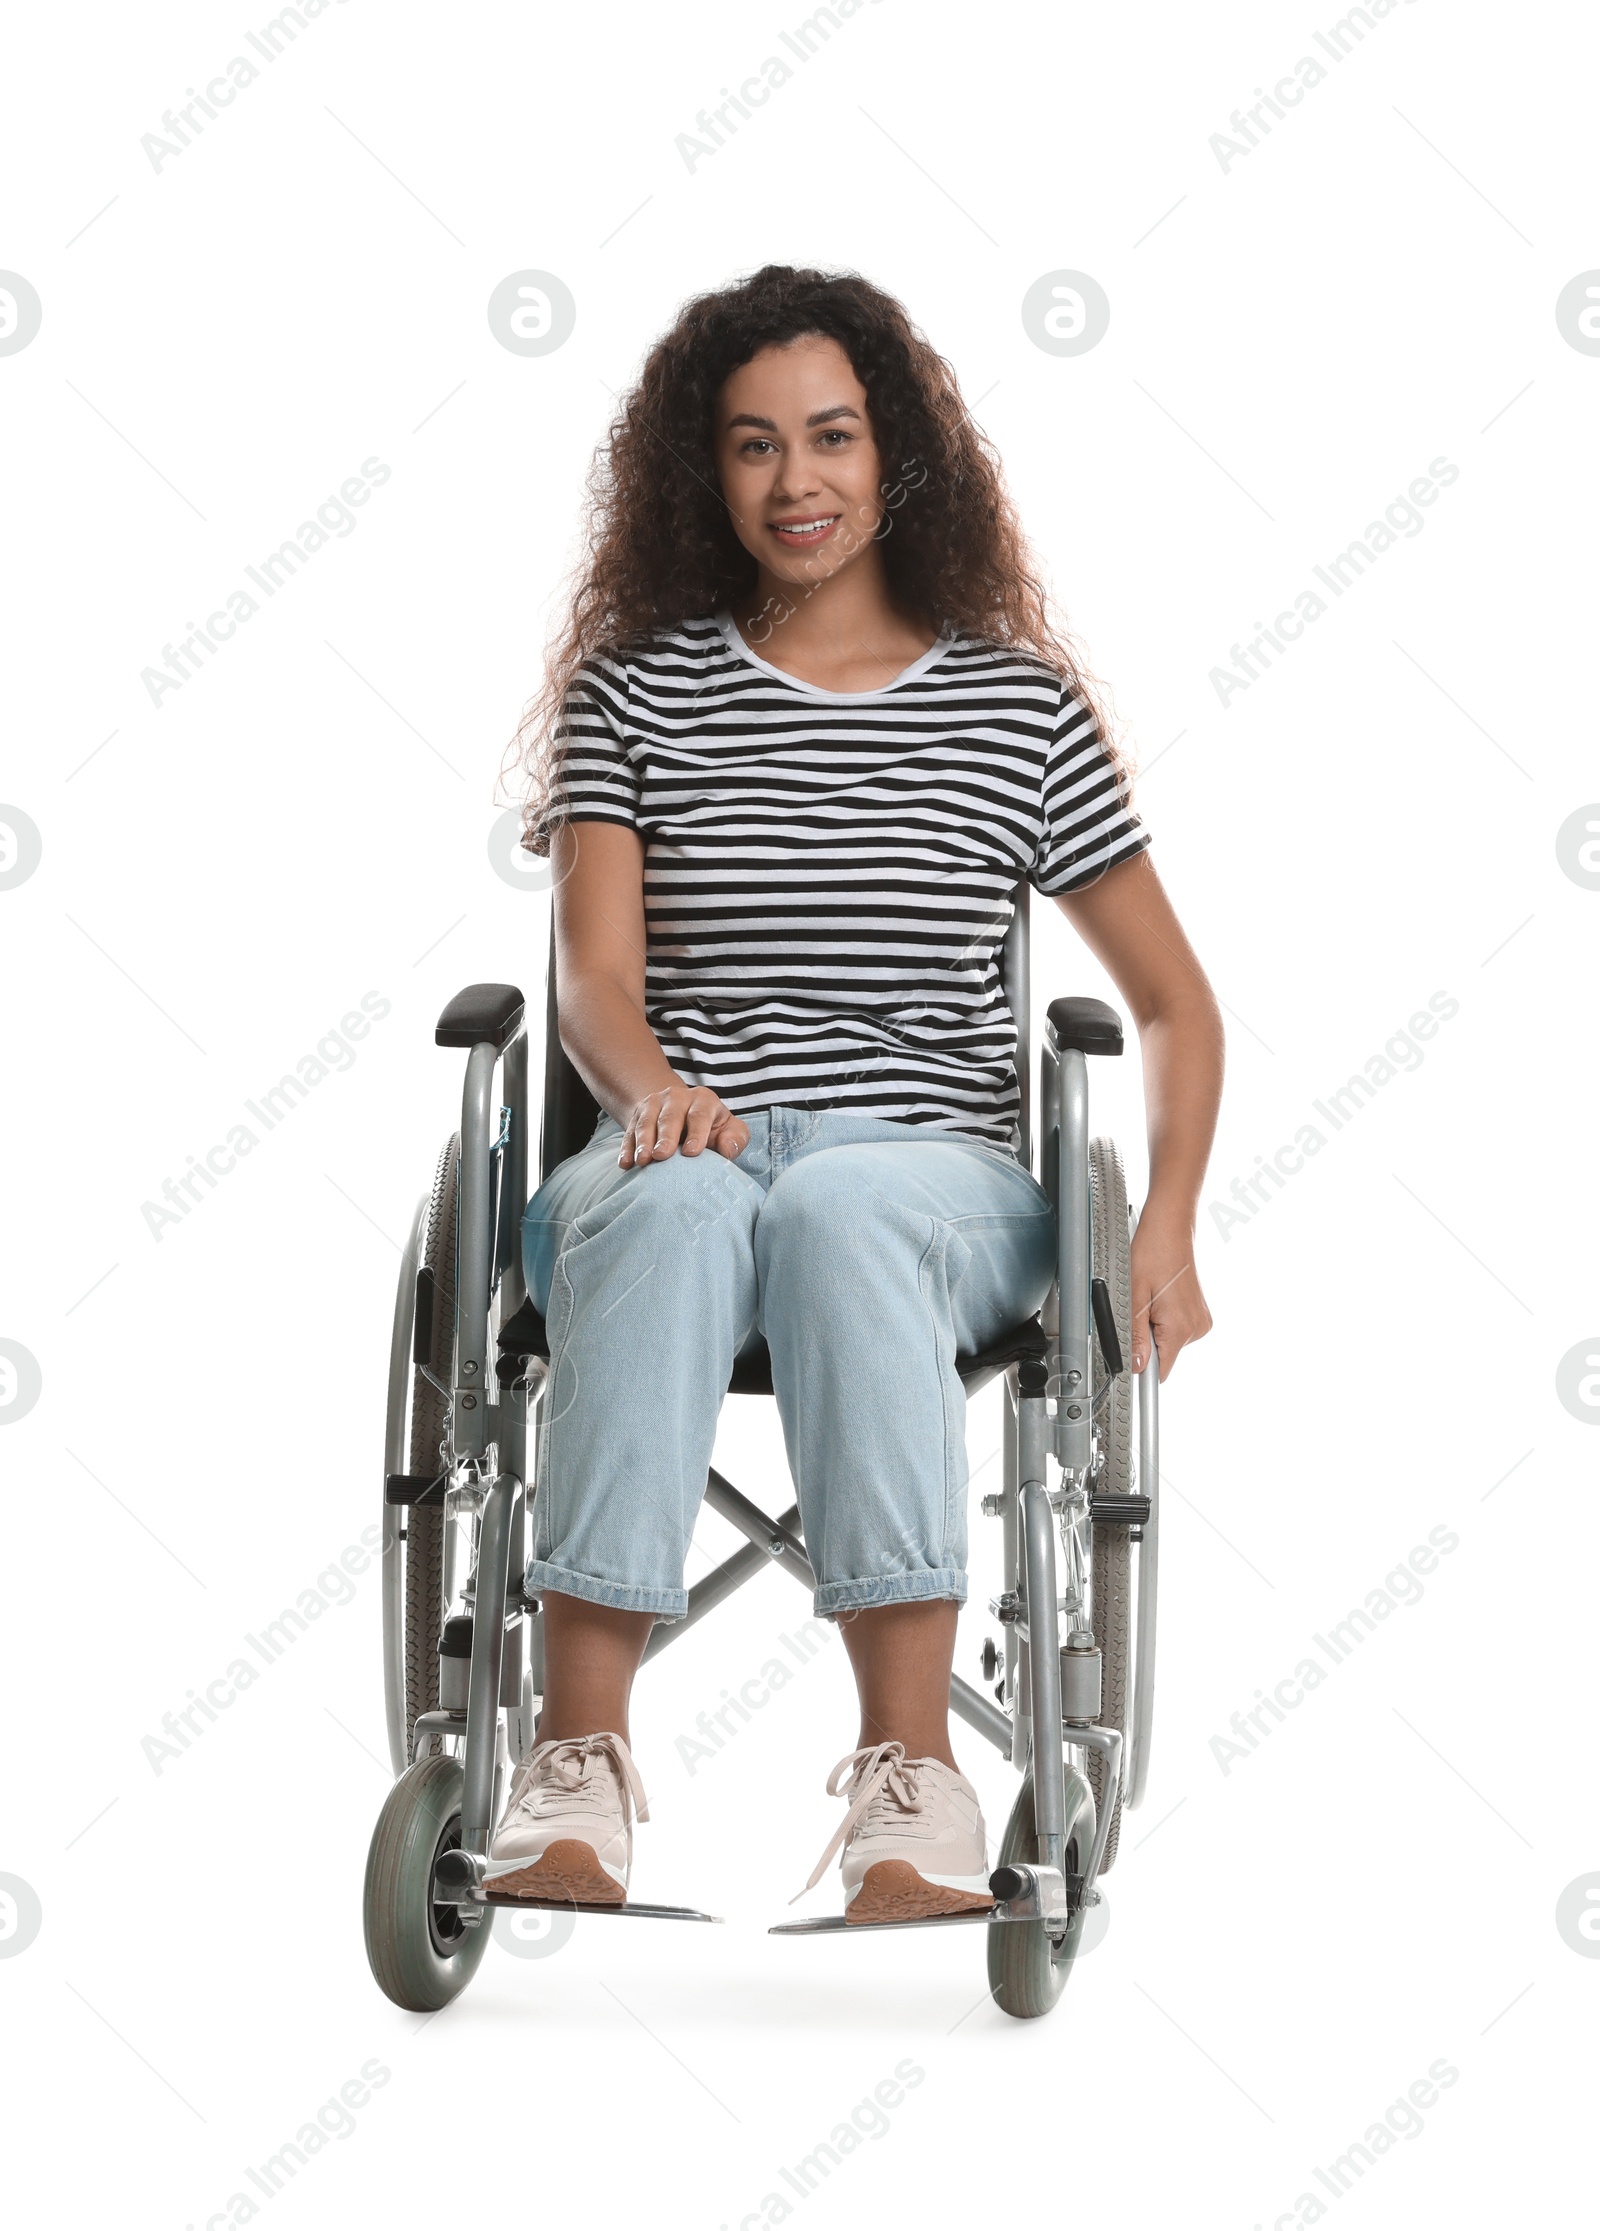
(661, 549)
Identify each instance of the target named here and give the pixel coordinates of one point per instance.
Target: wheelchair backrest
(571, 1110)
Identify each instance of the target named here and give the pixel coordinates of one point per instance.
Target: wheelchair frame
(1052, 1680)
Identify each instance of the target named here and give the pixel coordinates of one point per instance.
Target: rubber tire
(418, 1960)
(1027, 1973)
(424, 1567)
(1111, 1554)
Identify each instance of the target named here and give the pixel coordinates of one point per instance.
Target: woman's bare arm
(600, 949)
(1127, 922)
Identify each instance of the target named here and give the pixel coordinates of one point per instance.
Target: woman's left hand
(1167, 1300)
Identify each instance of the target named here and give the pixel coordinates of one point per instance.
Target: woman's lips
(804, 534)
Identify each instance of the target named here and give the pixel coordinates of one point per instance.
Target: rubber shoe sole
(892, 1890)
(568, 1869)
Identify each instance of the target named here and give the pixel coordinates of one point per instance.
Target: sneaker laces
(881, 1775)
(569, 1769)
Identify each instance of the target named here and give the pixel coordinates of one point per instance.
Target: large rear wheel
(427, 1453)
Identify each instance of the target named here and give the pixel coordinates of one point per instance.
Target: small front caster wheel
(421, 1953)
(1027, 1966)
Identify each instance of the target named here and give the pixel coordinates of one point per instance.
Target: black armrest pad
(1089, 1025)
(483, 1014)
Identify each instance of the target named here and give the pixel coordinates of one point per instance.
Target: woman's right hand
(680, 1115)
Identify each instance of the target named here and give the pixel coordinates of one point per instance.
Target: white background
(1293, 340)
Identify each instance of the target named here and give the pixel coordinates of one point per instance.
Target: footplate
(510, 1898)
(460, 1880)
(1030, 1894)
(982, 1915)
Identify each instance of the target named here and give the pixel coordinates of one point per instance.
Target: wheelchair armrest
(1086, 1026)
(482, 1015)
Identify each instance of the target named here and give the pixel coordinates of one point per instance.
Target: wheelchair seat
(524, 1335)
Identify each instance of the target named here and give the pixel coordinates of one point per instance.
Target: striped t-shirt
(827, 875)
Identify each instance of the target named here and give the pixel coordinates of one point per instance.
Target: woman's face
(798, 462)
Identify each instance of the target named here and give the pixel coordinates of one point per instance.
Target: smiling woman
(801, 540)
(783, 881)
(664, 537)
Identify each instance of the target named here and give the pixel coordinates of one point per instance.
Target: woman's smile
(815, 527)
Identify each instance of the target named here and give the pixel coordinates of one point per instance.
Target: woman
(808, 726)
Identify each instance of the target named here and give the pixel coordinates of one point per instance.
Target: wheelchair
(1073, 1673)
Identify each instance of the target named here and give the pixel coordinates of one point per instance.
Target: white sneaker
(914, 1840)
(567, 1830)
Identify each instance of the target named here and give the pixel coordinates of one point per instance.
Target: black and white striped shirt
(827, 876)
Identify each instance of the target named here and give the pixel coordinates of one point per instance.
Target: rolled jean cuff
(896, 1588)
(616, 1595)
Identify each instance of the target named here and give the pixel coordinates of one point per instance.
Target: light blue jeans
(866, 1253)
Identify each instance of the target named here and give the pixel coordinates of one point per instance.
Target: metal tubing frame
(706, 1594)
(1045, 1667)
(779, 1546)
(443, 1723)
(981, 1716)
(1072, 1377)
(1011, 1558)
(770, 1534)
(472, 1381)
(474, 1249)
(514, 1173)
(524, 1438)
(483, 1678)
(476, 1415)
(1108, 1740)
